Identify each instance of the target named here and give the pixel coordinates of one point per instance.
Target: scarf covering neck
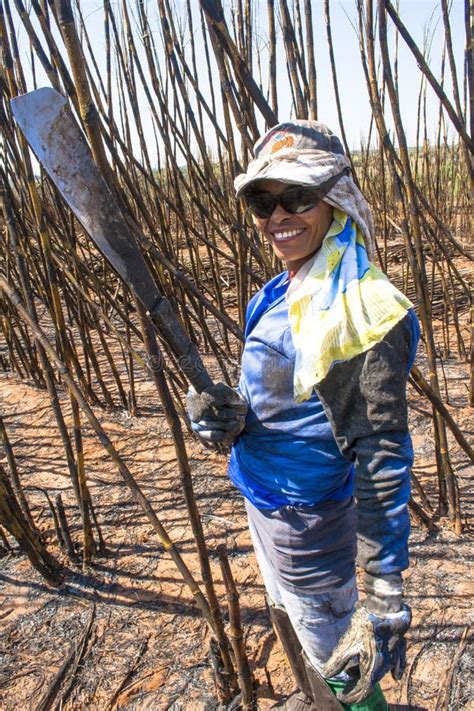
(339, 305)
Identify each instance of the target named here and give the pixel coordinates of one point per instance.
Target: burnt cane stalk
(12, 518)
(104, 439)
(155, 368)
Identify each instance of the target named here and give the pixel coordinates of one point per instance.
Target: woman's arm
(365, 400)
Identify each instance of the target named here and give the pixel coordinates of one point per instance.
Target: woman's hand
(217, 414)
(378, 642)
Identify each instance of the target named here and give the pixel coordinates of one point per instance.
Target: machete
(51, 130)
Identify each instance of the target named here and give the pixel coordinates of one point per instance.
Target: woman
(321, 450)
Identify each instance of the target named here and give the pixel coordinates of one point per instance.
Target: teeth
(286, 235)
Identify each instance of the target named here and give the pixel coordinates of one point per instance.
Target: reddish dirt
(140, 598)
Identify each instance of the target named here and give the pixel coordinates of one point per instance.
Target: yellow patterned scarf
(339, 305)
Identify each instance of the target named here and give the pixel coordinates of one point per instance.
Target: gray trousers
(319, 612)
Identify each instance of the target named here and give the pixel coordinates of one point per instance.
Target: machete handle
(189, 361)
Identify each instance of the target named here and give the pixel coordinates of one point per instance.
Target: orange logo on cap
(285, 142)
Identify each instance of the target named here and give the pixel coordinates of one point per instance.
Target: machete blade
(60, 146)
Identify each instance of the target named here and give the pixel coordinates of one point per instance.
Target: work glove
(217, 414)
(373, 645)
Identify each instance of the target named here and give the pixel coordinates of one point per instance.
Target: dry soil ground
(145, 620)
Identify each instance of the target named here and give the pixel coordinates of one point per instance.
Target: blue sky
(421, 17)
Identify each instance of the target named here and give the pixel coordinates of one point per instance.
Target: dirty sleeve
(365, 401)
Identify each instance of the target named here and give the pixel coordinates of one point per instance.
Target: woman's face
(294, 237)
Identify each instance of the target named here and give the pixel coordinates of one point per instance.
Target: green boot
(374, 702)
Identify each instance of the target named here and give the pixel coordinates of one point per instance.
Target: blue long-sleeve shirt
(291, 454)
(287, 454)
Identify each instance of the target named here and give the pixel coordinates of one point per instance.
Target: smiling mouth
(286, 235)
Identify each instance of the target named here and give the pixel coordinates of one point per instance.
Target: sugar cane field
(128, 577)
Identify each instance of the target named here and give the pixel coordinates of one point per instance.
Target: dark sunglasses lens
(261, 205)
(299, 200)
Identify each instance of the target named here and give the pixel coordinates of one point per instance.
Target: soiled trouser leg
(319, 618)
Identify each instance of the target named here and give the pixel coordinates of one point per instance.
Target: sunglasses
(294, 200)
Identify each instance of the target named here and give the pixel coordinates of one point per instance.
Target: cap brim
(290, 175)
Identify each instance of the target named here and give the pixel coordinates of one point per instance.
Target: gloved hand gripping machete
(49, 127)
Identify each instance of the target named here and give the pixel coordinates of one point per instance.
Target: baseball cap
(295, 138)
